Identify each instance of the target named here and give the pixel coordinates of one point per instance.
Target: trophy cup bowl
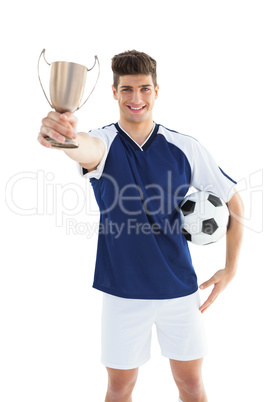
(66, 88)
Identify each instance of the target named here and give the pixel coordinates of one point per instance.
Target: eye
(145, 89)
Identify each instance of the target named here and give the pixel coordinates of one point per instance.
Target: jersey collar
(135, 145)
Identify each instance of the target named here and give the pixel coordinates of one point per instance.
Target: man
(140, 171)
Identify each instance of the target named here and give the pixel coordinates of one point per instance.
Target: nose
(136, 97)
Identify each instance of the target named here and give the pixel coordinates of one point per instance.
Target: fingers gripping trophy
(66, 88)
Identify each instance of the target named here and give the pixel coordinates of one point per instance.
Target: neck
(138, 131)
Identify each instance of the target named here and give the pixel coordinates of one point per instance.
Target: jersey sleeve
(107, 137)
(208, 176)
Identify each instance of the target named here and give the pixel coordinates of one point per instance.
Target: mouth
(136, 109)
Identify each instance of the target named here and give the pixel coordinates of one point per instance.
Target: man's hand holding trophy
(66, 88)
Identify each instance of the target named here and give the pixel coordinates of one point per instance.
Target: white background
(212, 72)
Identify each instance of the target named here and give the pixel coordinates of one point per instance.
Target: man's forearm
(233, 245)
(234, 233)
(90, 150)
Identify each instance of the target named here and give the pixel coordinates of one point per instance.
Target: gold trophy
(66, 88)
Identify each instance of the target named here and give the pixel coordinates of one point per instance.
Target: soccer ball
(204, 217)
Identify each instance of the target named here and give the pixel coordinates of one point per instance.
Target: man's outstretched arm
(58, 126)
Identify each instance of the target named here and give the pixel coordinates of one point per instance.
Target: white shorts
(127, 330)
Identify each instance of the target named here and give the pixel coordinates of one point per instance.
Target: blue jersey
(141, 251)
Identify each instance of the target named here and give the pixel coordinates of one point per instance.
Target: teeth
(136, 108)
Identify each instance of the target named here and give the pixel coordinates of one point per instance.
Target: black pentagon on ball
(209, 226)
(186, 234)
(188, 207)
(216, 201)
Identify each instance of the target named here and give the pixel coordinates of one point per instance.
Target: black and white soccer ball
(204, 217)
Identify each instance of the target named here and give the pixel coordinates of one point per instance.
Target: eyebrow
(141, 86)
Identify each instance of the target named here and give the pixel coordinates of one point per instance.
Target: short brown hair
(133, 62)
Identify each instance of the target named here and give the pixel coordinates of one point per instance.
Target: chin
(137, 118)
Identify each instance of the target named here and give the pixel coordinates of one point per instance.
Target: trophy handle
(43, 53)
(89, 69)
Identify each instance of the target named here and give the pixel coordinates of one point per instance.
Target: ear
(156, 91)
(114, 92)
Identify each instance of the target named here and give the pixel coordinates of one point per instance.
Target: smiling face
(136, 95)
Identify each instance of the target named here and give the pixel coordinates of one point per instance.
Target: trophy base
(66, 144)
